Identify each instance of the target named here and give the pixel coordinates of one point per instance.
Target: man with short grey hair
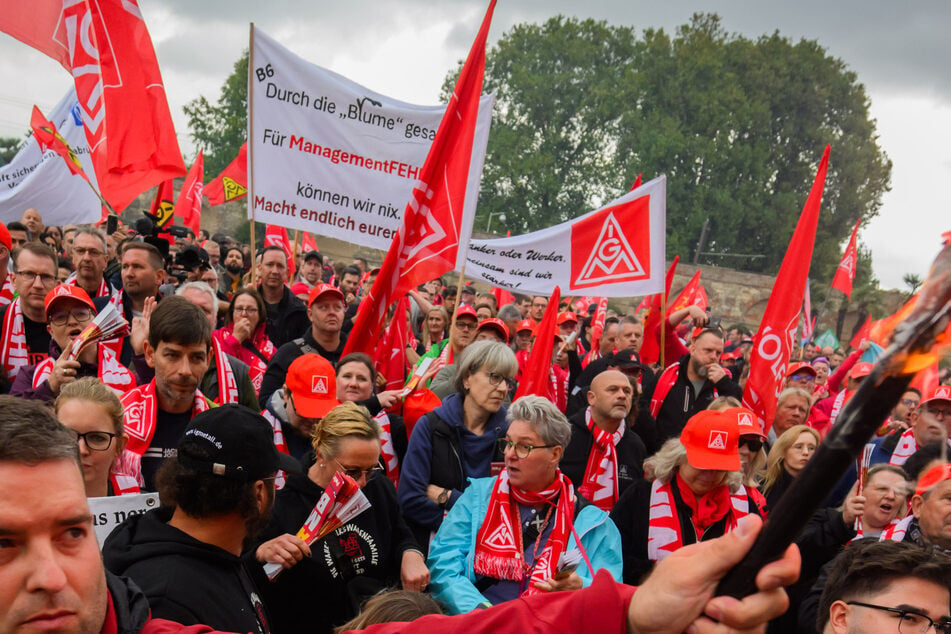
(89, 254)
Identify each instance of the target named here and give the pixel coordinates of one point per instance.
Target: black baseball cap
(234, 442)
(313, 255)
(627, 360)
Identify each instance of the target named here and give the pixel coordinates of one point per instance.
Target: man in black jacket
(286, 315)
(186, 558)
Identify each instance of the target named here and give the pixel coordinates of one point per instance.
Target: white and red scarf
(896, 530)
(123, 484)
(7, 291)
(907, 445)
(665, 383)
(111, 373)
(499, 550)
(105, 288)
(600, 484)
(558, 387)
(141, 407)
(279, 442)
(837, 404)
(227, 384)
(663, 529)
(14, 353)
(387, 448)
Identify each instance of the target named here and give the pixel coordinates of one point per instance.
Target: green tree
(220, 129)
(737, 125)
(9, 146)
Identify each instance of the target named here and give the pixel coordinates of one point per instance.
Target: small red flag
(845, 273)
(774, 340)
(275, 236)
(163, 205)
(637, 182)
(925, 381)
(597, 329)
(502, 297)
(188, 207)
(535, 375)
(390, 357)
(650, 347)
(50, 139)
(862, 333)
(700, 297)
(232, 182)
(687, 296)
(308, 243)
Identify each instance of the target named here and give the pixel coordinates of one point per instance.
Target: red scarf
(664, 384)
(387, 449)
(7, 291)
(141, 407)
(600, 484)
(257, 365)
(14, 353)
(111, 373)
(663, 528)
(227, 385)
(499, 550)
(558, 387)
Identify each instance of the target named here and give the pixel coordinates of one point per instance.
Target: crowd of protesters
(231, 397)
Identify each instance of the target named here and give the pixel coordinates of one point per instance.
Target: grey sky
(404, 49)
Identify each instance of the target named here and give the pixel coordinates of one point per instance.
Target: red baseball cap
(67, 291)
(313, 385)
(465, 310)
(5, 238)
(494, 323)
(932, 478)
(567, 317)
(735, 354)
(525, 324)
(940, 393)
(860, 370)
(747, 423)
(320, 290)
(799, 367)
(299, 288)
(712, 441)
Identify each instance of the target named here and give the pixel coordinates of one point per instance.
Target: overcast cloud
(404, 49)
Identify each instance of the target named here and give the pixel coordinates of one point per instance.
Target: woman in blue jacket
(509, 536)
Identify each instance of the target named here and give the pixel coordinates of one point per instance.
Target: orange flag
(846, 271)
(232, 182)
(535, 376)
(188, 207)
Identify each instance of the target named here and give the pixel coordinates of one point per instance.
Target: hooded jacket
(185, 580)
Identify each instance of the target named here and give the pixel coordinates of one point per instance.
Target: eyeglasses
(93, 253)
(248, 310)
(802, 378)
(466, 325)
(60, 317)
(909, 402)
(356, 473)
(30, 276)
(910, 620)
(522, 451)
(495, 379)
(939, 413)
(96, 440)
(754, 444)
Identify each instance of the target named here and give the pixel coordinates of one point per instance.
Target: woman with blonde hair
(372, 551)
(786, 459)
(94, 412)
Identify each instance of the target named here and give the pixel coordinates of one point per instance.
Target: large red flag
(232, 182)
(650, 347)
(846, 271)
(275, 236)
(50, 139)
(773, 342)
(686, 296)
(535, 376)
(390, 357)
(106, 47)
(163, 205)
(427, 244)
(188, 206)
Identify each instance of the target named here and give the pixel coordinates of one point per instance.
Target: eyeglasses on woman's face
(96, 440)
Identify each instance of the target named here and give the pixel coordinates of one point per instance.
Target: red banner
(427, 244)
(188, 206)
(535, 375)
(774, 340)
(232, 182)
(846, 271)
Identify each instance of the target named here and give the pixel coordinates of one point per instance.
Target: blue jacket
(417, 470)
(452, 552)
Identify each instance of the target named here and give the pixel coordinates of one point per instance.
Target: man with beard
(229, 280)
(157, 413)
(690, 385)
(286, 314)
(932, 424)
(219, 490)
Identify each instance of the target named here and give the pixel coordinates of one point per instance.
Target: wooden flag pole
(250, 199)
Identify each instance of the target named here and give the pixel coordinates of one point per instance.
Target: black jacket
(345, 568)
(276, 372)
(185, 580)
(682, 402)
(630, 451)
(288, 320)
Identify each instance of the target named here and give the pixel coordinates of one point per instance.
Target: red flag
(861, 334)
(925, 381)
(188, 207)
(773, 342)
(232, 182)
(597, 329)
(637, 182)
(50, 139)
(275, 236)
(163, 205)
(686, 296)
(644, 305)
(106, 47)
(535, 375)
(846, 271)
(427, 244)
(308, 243)
(502, 296)
(700, 297)
(390, 357)
(650, 348)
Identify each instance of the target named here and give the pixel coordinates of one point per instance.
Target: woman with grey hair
(459, 439)
(518, 533)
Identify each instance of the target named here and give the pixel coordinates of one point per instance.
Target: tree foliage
(737, 125)
(9, 146)
(220, 129)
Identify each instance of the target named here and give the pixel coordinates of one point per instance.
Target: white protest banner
(330, 156)
(107, 513)
(42, 180)
(614, 251)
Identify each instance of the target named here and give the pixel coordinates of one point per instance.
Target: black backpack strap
(303, 346)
